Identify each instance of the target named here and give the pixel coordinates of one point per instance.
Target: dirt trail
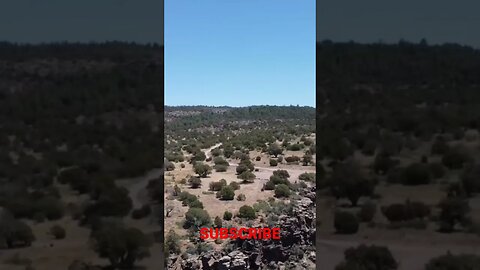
(208, 151)
(136, 186)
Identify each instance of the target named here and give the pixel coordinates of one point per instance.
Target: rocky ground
(295, 249)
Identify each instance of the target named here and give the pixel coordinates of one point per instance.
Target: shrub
(202, 169)
(227, 215)
(456, 157)
(182, 165)
(276, 180)
(241, 197)
(346, 223)
(348, 181)
(292, 159)
(368, 258)
(270, 185)
(195, 182)
(58, 232)
(172, 243)
(273, 162)
(241, 168)
(437, 170)
(234, 185)
(308, 177)
(454, 262)
(367, 212)
(190, 200)
(169, 166)
(258, 158)
(416, 174)
(218, 222)
(247, 212)
(408, 211)
(281, 173)
(226, 193)
(122, 246)
(217, 186)
(220, 168)
(246, 176)
(15, 232)
(196, 217)
(282, 190)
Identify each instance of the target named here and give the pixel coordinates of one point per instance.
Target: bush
(234, 185)
(226, 193)
(282, 190)
(227, 215)
(169, 166)
(368, 258)
(416, 174)
(190, 200)
(292, 159)
(195, 182)
(220, 161)
(15, 232)
(247, 212)
(196, 217)
(281, 173)
(258, 158)
(307, 177)
(217, 186)
(403, 212)
(277, 180)
(349, 181)
(120, 245)
(203, 170)
(273, 162)
(367, 212)
(218, 222)
(241, 168)
(241, 197)
(246, 176)
(220, 168)
(437, 170)
(454, 262)
(270, 185)
(172, 243)
(58, 232)
(346, 223)
(456, 157)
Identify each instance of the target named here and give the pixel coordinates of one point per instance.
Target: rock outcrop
(294, 250)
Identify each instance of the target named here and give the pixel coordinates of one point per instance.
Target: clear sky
(240, 52)
(438, 21)
(35, 21)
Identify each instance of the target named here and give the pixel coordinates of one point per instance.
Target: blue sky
(240, 52)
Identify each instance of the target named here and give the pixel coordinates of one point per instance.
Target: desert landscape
(81, 128)
(397, 156)
(239, 167)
